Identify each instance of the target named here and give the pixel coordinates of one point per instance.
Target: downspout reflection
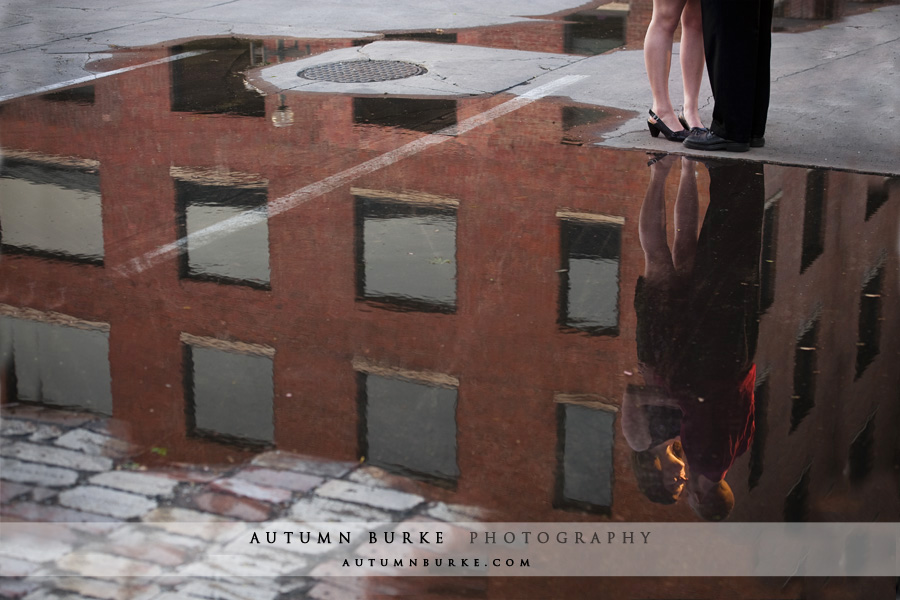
(697, 308)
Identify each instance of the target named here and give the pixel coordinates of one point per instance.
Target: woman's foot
(657, 125)
(690, 119)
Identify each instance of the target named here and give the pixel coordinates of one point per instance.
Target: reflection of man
(697, 308)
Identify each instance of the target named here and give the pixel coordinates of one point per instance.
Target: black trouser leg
(737, 42)
(763, 75)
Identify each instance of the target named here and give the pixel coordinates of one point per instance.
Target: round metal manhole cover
(362, 71)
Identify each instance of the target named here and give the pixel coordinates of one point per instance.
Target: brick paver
(16, 427)
(9, 490)
(102, 501)
(107, 590)
(41, 513)
(60, 457)
(369, 495)
(220, 590)
(137, 482)
(90, 442)
(101, 564)
(242, 509)
(242, 487)
(291, 462)
(288, 480)
(316, 509)
(14, 567)
(25, 472)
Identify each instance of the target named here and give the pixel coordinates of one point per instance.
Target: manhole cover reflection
(362, 71)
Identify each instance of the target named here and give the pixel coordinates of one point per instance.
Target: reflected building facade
(462, 316)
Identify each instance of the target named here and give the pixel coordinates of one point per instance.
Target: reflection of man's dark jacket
(698, 337)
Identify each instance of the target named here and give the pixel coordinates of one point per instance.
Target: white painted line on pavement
(319, 188)
(96, 76)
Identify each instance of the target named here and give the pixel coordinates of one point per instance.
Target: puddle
(473, 315)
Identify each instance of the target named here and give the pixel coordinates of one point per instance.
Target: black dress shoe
(757, 141)
(704, 139)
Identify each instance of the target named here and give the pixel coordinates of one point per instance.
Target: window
(237, 254)
(814, 219)
(589, 274)
(229, 390)
(406, 250)
(769, 252)
(213, 82)
(409, 425)
(877, 194)
(424, 115)
(761, 433)
(796, 504)
(868, 345)
(804, 397)
(588, 34)
(584, 457)
(57, 364)
(78, 95)
(422, 36)
(52, 210)
(862, 453)
(577, 122)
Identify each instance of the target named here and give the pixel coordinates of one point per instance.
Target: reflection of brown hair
(716, 504)
(648, 473)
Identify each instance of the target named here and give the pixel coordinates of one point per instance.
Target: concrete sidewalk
(835, 91)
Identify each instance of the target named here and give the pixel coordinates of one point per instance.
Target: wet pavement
(253, 277)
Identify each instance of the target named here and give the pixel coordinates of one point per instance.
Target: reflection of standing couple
(697, 308)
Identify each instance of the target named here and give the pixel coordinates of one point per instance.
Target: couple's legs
(658, 57)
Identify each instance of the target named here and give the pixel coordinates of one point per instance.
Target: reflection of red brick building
(497, 342)
(501, 347)
(830, 395)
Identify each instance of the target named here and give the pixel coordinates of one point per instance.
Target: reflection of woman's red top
(718, 428)
(698, 346)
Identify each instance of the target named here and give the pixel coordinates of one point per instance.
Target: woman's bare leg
(692, 60)
(652, 224)
(658, 56)
(687, 210)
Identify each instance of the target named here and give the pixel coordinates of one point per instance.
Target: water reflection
(406, 250)
(463, 316)
(407, 423)
(212, 83)
(206, 203)
(697, 308)
(589, 275)
(51, 209)
(415, 114)
(228, 391)
(55, 361)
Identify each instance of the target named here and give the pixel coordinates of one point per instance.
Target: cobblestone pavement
(59, 466)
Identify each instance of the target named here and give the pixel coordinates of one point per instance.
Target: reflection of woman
(651, 418)
(696, 307)
(658, 58)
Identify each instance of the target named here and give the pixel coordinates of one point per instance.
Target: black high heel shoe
(655, 157)
(659, 126)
